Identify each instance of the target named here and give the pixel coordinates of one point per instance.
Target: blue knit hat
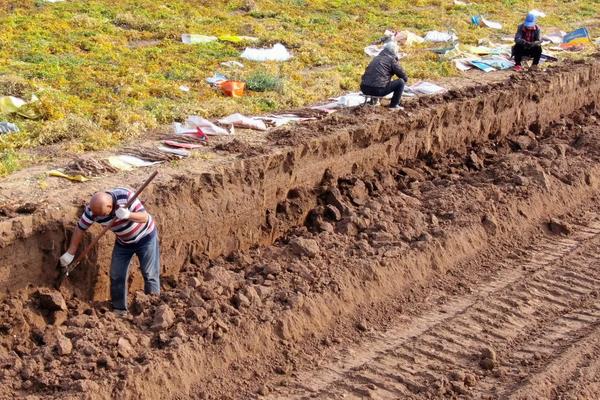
(530, 20)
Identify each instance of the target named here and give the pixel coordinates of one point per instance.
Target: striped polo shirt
(127, 232)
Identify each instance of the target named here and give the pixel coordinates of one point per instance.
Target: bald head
(101, 204)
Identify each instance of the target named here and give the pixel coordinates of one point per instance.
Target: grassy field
(107, 70)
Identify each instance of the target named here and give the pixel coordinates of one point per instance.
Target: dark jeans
(396, 86)
(534, 51)
(149, 255)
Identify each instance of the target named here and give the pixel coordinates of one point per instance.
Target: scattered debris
(241, 121)
(362, 325)
(7, 127)
(437, 36)
(456, 376)
(411, 38)
(282, 119)
(195, 124)
(232, 64)
(538, 13)
(490, 224)
(149, 154)
(237, 39)
(277, 53)
(16, 105)
(347, 100)
(177, 152)
(488, 359)
(478, 20)
(189, 38)
(482, 66)
(88, 166)
(126, 162)
(60, 174)
(426, 88)
(174, 143)
(576, 40)
(374, 50)
(554, 36)
(232, 88)
(470, 380)
(559, 227)
(216, 79)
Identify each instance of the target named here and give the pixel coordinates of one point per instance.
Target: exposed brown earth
(448, 251)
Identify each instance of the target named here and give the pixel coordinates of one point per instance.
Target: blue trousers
(148, 253)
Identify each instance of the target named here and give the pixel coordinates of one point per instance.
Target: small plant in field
(262, 81)
(9, 162)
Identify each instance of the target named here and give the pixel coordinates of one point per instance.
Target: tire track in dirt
(541, 307)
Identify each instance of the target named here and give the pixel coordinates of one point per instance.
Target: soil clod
(559, 227)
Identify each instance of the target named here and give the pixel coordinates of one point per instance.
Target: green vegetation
(260, 81)
(107, 70)
(9, 162)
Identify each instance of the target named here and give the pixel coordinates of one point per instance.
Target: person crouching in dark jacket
(527, 43)
(376, 80)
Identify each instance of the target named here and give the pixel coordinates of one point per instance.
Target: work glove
(537, 43)
(122, 213)
(66, 259)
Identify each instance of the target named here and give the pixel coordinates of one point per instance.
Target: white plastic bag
(277, 53)
(192, 123)
(351, 100)
(216, 79)
(412, 38)
(426, 88)
(177, 152)
(7, 127)
(373, 50)
(189, 38)
(131, 160)
(232, 64)
(283, 119)
(436, 36)
(241, 121)
(491, 24)
(538, 13)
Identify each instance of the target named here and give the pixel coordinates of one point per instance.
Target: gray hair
(391, 46)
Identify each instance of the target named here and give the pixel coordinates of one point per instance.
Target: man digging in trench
(135, 232)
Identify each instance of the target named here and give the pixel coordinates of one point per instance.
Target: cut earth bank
(337, 214)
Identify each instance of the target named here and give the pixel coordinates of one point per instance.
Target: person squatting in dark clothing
(527, 43)
(377, 79)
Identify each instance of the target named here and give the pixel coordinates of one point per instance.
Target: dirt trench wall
(252, 201)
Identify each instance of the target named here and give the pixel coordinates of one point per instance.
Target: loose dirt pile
(359, 228)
